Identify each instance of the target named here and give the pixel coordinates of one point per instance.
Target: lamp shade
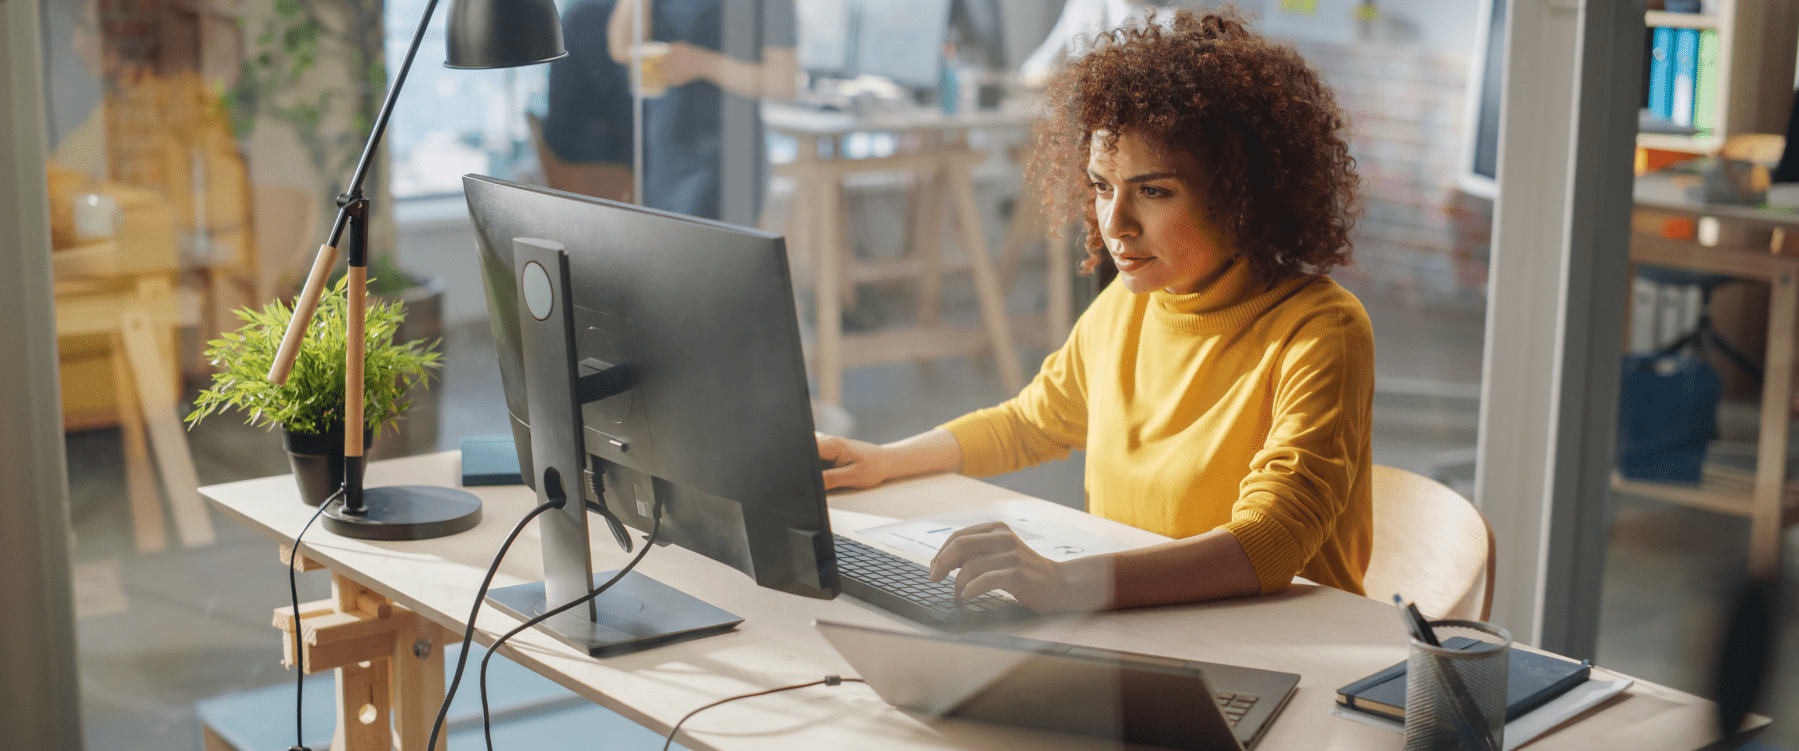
(503, 33)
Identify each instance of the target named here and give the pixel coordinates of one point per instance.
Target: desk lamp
(482, 34)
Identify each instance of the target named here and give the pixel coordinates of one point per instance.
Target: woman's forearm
(1204, 567)
(936, 450)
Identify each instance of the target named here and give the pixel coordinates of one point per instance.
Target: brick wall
(1420, 239)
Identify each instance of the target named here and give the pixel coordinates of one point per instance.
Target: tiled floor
(161, 631)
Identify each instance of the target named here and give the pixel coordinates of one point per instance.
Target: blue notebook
(1532, 679)
(489, 460)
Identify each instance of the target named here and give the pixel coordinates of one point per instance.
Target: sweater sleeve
(1300, 480)
(1046, 421)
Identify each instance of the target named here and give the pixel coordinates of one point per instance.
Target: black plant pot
(318, 461)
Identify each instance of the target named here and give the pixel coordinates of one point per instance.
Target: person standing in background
(1069, 38)
(587, 126)
(683, 127)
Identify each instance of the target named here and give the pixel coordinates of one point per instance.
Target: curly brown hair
(1257, 117)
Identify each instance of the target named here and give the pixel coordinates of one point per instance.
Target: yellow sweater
(1244, 406)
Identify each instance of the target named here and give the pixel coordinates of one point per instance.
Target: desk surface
(1327, 636)
(1666, 191)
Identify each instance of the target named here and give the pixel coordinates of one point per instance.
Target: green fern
(312, 400)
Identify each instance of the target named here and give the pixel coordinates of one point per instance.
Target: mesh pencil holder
(1455, 698)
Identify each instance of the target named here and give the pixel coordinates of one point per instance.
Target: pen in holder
(1455, 698)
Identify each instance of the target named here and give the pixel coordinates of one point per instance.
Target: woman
(1221, 386)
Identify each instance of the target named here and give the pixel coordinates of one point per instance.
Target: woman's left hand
(991, 556)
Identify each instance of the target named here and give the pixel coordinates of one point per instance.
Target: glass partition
(197, 148)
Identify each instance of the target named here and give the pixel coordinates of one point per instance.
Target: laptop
(1138, 698)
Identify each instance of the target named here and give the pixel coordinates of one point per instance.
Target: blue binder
(1686, 75)
(1661, 73)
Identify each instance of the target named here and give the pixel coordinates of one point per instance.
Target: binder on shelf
(1661, 73)
(1532, 679)
(1686, 68)
(1705, 83)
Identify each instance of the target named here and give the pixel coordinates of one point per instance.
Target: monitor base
(636, 613)
(406, 512)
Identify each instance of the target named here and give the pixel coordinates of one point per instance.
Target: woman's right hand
(850, 463)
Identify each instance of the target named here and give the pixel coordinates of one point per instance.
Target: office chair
(1704, 336)
(1431, 545)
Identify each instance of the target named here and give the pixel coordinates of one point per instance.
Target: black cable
(293, 592)
(468, 632)
(649, 542)
(829, 680)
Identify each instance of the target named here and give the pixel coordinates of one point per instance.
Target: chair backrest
(611, 181)
(287, 235)
(1430, 545)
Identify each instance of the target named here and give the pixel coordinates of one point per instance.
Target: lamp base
(406, 512)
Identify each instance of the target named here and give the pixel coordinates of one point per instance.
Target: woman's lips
(1132, 263)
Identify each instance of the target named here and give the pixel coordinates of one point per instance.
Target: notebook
(489, 460)
(1533, 679)
(1138, 698)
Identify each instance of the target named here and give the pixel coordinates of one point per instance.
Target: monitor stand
(637, 612)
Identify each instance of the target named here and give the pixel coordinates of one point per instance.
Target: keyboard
(1234, 705)
(904, 588)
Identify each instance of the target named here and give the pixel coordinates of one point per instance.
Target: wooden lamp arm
(303, 309)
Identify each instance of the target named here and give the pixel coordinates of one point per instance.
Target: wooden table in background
(940, 162)
(1744, 250)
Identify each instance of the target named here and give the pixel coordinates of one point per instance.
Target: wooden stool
(138, 325)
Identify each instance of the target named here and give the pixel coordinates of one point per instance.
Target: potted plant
(309, 408)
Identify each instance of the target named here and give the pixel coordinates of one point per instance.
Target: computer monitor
(1478, 171)
(711, 417)
(826, 31)
(902, 40)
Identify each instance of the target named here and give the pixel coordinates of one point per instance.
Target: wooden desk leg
(173, 456)
(389, 663)
(140, 480)
(1059, 319)
(1770, 468)
(828, 266)
(418, 682)
(986, 280)
(362, 708)
(929, 249)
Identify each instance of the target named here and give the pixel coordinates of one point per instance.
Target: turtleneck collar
(1234, 299)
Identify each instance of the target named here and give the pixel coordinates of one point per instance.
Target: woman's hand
(991, 556)
(852, 464)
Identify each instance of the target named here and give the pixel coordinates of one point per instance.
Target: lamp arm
(308, 301)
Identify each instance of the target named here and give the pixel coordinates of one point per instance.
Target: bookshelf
(1757, 42)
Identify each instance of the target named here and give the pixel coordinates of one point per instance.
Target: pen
(1414, 622)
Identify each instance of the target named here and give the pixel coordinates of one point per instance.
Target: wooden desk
(941, 162)
(1768, 499)
(1327, 636)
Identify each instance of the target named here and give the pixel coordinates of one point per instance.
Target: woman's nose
(1117, 221)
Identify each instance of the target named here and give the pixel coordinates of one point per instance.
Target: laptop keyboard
(902, 587)
(1234, 705)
